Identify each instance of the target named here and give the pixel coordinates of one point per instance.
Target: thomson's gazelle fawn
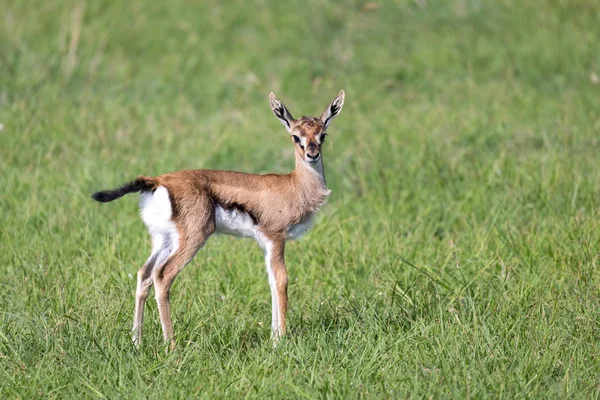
(182, 209)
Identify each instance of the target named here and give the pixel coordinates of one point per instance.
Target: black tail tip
(139, 184)
(102, 197)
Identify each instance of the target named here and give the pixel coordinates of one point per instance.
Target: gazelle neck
(311, 169)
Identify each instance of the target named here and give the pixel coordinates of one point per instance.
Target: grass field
(456, 257)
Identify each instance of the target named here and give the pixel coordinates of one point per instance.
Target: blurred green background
(456, 257)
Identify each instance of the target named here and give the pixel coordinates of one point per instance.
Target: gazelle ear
(281, 112)
(333, 109)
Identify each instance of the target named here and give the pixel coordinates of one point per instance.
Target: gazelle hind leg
(193, 233)
(163, 277)
(156, 212)
(144, 281)
(160, 253)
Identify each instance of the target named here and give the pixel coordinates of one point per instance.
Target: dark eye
(323, 136)
(297, 140)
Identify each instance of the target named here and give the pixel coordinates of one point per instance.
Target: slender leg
(282, 297)
(278, 281)
(163, 277)
(193, 233)
(162, 246)
(273, 286)
(144, 281)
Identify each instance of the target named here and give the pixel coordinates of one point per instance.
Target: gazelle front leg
(278, 281)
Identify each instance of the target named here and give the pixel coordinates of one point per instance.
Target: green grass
(456, 257)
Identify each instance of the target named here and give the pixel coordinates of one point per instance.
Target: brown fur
(275, 203)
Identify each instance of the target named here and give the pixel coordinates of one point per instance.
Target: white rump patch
(156, 213)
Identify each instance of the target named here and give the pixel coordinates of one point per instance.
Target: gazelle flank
(183, 209)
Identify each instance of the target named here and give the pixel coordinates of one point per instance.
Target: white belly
(237, 223)
(234, 222)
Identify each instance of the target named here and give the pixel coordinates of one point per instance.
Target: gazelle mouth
(313, 160)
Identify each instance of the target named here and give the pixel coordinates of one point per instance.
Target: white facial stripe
(303, 141)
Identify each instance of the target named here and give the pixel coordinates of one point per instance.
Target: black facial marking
(298, 141)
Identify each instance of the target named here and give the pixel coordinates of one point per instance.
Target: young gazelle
(182, 209)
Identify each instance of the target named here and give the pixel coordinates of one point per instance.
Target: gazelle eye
(323, 136)
(297, 140)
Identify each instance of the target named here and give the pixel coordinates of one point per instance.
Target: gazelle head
(307, 133)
